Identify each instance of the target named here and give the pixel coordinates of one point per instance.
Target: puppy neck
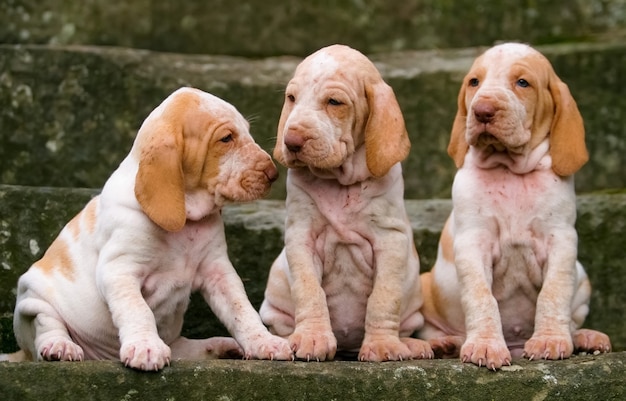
(352, 170)
(534, 159)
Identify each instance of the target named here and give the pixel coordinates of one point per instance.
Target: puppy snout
(294, 142)
(271, 172)
(484, 111)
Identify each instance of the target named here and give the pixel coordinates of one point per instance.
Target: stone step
(31, 217)
(579, 378)
(71, 113)
(262, 28)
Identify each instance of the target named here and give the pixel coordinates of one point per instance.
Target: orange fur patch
(89, 215)
(57, 258)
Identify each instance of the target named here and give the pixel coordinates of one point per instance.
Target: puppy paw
(310, 345)
(447, 347)
(548, 347)
(391, 348)
(489, 352)
(145, 353)
(591, 341)
(60, 349)
(269, 347)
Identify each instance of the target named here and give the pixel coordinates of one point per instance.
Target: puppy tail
(19, 356)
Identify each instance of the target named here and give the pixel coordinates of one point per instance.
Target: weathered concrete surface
(580, 378)
(71, 113)
(31, 217)
(262, 28)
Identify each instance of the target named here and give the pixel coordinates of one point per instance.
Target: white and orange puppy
(348, 277)
(506, 280)
(116, 282)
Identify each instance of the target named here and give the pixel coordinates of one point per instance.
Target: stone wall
(261, 28)
(72, 112)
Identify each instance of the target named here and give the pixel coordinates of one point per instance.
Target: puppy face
(505, 90)
(510, 101)
(336, 102)
(195, 152)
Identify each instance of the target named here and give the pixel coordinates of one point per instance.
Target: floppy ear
(457, 148)
(386, 139)
(567, 135)
(278, 148)
(159, 184)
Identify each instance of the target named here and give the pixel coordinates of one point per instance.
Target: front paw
(391, 348)
(489, 352)
(269, 347)
(149, 353)
(551, 346)
(313, 345)
(60, 349)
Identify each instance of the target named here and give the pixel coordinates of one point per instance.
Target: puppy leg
(591, 341)
(552, 338)
(226, 295)
(585, 340)
(41, 331)
(141, 347)
(209, 348)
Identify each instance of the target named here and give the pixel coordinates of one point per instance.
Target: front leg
(225, 293)
(552, 338)
(141, 347)
(313, 337)
(382, 341)
(484, 344)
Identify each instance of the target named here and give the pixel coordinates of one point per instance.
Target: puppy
(506, 278)
(348, 276)
(116, 282)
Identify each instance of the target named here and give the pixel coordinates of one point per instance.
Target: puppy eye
(291, 98)
(334, 102)
(227, 138)
(474, 82)
(522, 83)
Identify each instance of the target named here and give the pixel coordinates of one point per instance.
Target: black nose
(484, 112)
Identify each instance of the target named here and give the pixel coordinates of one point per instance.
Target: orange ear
(159, 184)
(386, 139)
(567, 135)
(457, 148)
(278, 148)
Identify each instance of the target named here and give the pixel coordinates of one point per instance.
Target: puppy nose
(484, 111)
(271, 173)
(294, 142)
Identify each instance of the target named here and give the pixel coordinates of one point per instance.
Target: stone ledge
(579, 378)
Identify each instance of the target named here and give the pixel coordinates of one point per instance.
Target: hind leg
(208, 348)
(591, 341)
(42, 334)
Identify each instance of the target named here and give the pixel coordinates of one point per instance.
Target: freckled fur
(347, 278)
(116, 282)
(506, 281)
